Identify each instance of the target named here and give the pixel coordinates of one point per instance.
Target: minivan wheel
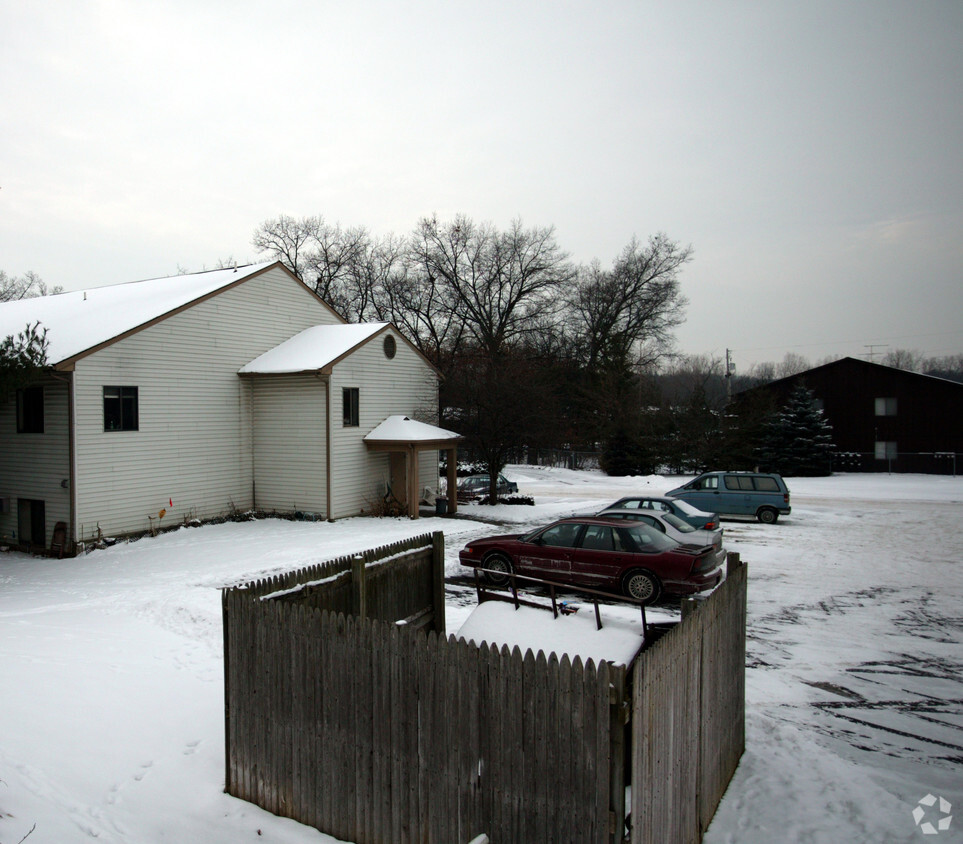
(642, 586)
(497, 563)
(767, 516)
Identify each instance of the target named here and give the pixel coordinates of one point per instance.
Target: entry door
(32, 522)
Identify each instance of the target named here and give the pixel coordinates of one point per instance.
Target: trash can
(441, 505)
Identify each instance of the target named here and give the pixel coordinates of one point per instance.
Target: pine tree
(22, 358)
(798, 440)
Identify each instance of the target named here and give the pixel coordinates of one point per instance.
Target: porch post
(414, 487)
(452, 480)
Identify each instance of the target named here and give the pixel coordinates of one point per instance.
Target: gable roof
(81, 321)
(313, 349)
(855, 366)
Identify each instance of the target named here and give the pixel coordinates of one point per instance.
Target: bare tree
(947, 366)
(908, 359)
(626, 315)
(289, 241)
(497, 285)
(792, 364)
(27, 286)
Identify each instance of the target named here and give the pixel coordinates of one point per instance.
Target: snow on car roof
(530, 628)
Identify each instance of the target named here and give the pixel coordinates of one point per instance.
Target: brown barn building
(883, 418)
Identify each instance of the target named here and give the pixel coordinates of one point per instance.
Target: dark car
(632, 558)
(700, 519)
(475, 486)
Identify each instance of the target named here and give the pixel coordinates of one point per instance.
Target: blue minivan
(758, 494)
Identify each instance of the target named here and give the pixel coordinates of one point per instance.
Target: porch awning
(402, 431)
(402, 434)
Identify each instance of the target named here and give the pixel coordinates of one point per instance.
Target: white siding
(406, 384)
(33, 465)
(289, 443)
(193, 446)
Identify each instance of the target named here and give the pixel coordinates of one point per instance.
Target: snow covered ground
(111, 704)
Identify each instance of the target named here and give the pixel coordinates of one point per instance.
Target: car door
(600, 557)
(703, 493)
(549, 553)
(739, 494)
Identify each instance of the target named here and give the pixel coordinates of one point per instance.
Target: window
(120, 409)
(766, 484)
(598, 538)
(349, 403)
(560, 536)
(885, 450)
(390, 346)
(886, 407)
(30, 410)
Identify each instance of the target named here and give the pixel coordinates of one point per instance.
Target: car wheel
(497, 563)
(641, 585)
(767, 516)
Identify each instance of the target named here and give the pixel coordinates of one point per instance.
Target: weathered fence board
(688, 722)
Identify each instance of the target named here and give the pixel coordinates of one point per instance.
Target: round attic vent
(390, 346)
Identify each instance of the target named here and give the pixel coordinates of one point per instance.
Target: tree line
(535, 351)
(533, 348)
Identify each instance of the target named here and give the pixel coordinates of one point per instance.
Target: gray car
(476, 486)
(690, 514)
(673, 527)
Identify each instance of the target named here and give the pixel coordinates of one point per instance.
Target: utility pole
(730, 368)
(872, 353)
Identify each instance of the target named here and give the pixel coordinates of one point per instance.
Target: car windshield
(677, 523)
(646, 539)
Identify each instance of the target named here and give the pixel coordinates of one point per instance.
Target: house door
(32, 522)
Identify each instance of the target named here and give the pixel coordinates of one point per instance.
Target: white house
(197, 395)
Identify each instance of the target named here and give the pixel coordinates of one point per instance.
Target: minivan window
(710, 482)
(767, 484)
(738, 482)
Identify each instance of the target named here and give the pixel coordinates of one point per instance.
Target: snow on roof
(499, 623)
(314, 348)
(82, 319)
(404, 429)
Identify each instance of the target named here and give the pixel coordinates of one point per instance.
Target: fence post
(733, 562)
(359, 588)
(438, 579)
(618, 717)
(225, 628)
(688, 607)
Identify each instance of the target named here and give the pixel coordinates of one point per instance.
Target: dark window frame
(30, 410)
(350, 407)
(121, 408)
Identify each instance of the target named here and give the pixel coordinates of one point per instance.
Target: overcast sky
(810, 152)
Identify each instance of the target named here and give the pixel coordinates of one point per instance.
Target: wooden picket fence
(378, 732)
(688, 721)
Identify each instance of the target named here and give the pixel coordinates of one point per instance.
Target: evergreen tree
(797, 440)
(22, 358)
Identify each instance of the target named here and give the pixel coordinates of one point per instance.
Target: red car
(628, 557)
